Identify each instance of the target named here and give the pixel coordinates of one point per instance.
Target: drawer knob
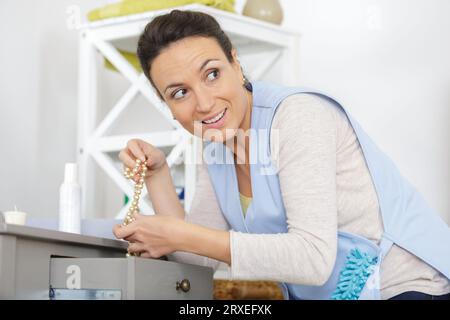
(183, 285)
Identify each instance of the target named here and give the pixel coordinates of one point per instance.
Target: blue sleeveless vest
(408, 221)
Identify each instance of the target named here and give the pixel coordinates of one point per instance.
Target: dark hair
(176, 25)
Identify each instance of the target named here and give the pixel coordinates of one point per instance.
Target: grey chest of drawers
(37, 263)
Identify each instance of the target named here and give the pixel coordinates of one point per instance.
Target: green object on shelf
(130, 57)
(128, 7)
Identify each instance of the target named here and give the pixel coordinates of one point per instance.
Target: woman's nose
(205, 101)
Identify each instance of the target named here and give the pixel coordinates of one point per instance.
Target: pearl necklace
(139, 169)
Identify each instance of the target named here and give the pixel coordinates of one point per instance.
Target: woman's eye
(213, 75)
(179, 94)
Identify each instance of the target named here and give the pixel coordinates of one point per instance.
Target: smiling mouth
(216, 118)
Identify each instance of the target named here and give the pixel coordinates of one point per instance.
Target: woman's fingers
(127, 159)
(132, 152)
(122, 232)
(138, 216)
(148, 149)
(136, 247)
(129, 162)
(136, 149)
(145, 254)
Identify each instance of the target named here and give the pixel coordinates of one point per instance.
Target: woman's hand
(139, 149)
(155, 236)
(151, 236)
(158, 178)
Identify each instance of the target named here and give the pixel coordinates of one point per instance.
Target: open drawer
(127, 279)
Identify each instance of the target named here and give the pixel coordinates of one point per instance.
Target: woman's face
(202, 88)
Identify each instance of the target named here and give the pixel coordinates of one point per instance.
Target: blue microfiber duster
(354, 275)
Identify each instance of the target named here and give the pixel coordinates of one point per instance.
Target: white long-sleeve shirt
(326, 186)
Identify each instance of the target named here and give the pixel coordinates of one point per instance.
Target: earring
(247, 85)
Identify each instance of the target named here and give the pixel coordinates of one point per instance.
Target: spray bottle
(70, 201)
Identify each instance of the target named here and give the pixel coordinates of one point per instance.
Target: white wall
(38, 101)
(387, 61)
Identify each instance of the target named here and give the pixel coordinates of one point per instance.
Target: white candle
(15, 217)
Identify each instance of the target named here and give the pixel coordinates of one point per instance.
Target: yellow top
(245, 202)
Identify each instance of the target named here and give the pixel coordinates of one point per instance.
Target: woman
(306, 200)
